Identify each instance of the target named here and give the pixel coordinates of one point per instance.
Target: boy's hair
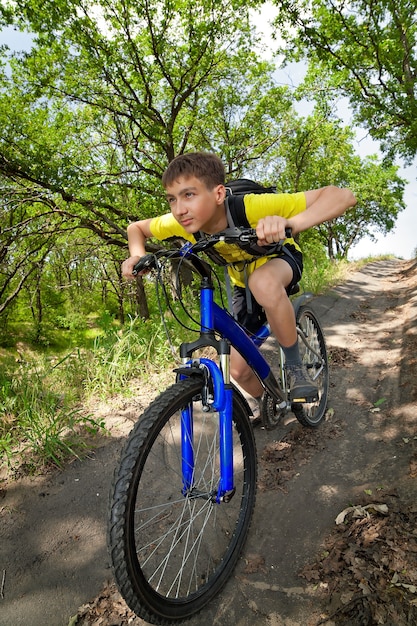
(205, 166)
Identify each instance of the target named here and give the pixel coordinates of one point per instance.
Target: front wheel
(314, 356)
(172, 549)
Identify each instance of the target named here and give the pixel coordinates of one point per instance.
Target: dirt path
(299, 567)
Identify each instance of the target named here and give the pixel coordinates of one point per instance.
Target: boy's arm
(137, 234)
(322, 205)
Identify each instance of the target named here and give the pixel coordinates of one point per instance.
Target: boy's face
(195, 207)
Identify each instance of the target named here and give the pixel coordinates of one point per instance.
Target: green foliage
(104, 99)
(117, 357)
(319, 272)
(40, 422)
(108, 96)
(366, 51)
(317, 151)
(91, 115)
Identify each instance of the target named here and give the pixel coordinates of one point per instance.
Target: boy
(196, 194)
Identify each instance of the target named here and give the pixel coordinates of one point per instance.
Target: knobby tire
(172, 553)
(311, 414)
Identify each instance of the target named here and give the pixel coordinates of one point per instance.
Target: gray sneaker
(302, 388)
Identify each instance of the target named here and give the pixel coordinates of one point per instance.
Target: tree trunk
(330, 248)
(121, 314)
(141, 300)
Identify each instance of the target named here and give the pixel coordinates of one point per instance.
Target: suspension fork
(217, 395)
(216, 379)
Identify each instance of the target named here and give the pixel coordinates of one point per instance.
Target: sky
(402, 241)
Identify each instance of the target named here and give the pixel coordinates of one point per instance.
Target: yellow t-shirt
(257, 206)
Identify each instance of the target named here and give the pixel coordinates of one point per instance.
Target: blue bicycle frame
(215, 320)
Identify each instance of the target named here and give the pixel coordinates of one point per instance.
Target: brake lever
(147, 262)
(248, 236)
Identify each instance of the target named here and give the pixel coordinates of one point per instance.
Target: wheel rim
(317, 368)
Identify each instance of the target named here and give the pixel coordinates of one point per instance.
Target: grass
(40, 421)
(318, 277)
(131, 352)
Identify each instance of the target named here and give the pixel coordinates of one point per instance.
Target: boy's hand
(271, 229)
(128, 265)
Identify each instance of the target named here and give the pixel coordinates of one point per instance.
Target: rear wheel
(173, 551)
(314, 357)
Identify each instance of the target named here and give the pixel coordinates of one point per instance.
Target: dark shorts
(252, 321)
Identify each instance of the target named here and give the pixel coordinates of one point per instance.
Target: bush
(320, 272)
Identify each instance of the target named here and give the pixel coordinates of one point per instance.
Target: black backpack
(236, 217)
(242, 186)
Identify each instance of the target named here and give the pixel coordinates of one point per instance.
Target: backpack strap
(236, 216)
(236, 213)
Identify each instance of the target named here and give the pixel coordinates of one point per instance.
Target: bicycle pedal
(305, 399)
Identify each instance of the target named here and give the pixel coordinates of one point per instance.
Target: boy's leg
(252, 321)
(243, 375)
(268, 284)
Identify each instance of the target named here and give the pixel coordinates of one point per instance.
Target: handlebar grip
(147, 262)
(250, 233)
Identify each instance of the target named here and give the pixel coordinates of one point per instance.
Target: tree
(368, 52)
(108, 95)
(28, 234)
(379, 190)
(112, 93)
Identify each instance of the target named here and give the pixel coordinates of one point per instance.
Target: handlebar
(230, 235)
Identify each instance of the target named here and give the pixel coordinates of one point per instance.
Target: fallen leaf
(361, 511)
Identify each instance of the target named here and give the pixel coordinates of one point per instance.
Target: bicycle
(184, 491)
